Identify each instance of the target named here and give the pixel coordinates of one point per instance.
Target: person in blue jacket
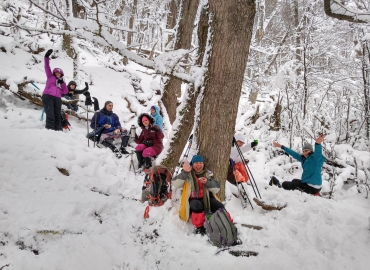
(312, 162)
(158, 119)
(108, 123)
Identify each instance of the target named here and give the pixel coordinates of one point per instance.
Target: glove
(148, 143)
(154, 129)
(254, 144)
(47, 54)
(60, 80)
(86, 86)
(86, 94)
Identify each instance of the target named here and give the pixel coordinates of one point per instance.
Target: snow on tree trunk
(231, 27)
(180, 137)
(172, 87)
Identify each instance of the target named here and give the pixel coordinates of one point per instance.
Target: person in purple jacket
(51, 97)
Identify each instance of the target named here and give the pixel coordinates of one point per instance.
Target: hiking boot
(140, 159)
(123, 151)
(201, 230)
(274, 182)
(148, 163)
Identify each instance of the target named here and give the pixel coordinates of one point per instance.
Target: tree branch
(336, 10)
(47, 11)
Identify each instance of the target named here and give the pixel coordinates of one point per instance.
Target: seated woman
(199, 186)
(312, 163)
(155, 111)
(111, 128)
(73, 94)
(237, 171)
(149, 142)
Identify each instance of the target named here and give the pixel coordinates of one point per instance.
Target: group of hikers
(198, 183)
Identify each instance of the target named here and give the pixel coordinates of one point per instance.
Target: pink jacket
(51, 87)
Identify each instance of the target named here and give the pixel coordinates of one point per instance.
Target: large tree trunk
(171, 20)
(366, 80)
(185, 127)
(232, 26)
(130, 35)
(172, 87)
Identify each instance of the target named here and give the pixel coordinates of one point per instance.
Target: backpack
(64, 120)
(220, 230)
(158, 186)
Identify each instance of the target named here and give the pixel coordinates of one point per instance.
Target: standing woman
(149, 141)
(51, 97)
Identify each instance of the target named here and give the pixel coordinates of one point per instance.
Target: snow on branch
(337, 10)
(47, 11)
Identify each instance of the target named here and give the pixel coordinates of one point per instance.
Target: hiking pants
(297, 184)
(52, 106)
(196, 205)
(69, 105)
(147, 151)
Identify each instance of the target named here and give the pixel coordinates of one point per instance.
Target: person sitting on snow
(149, 142)
(73, 94)
(311, 164)
(198, 188)
(237, 171)
(111, 128)
(155, 111)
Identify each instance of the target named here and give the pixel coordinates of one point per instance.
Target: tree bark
(130, 35)
(231, 26)
(182, 134)
(172, 87)
(171, 20)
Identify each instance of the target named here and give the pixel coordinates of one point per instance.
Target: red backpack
(158, 187)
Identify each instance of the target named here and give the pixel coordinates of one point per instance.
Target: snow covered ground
(52, 221)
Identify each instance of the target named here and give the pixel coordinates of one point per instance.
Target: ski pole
(190, 142)
(245, 166)
(250, 173)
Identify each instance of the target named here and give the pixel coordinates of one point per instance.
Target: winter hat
(307, 146)
(239, 137)
(106, 103)
(72, 83)
(58, 70)
(144, 118)
(196, 158)
(153, 108)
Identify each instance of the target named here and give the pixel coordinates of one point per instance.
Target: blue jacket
(105, 117)
(158, 119)
(311, 165)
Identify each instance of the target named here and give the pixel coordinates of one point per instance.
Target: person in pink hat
(51, 97)
(149, 142)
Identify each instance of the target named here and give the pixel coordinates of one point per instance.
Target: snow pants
(52, 106)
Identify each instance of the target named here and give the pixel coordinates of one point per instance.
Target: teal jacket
(158, 120)
(311, 165)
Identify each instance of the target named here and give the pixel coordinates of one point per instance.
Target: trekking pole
(96, 108)
(190, 142)
(250, 173)
(245, 166)
(87, 125)
(246, 199)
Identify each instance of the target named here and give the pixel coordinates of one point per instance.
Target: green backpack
(220, 230)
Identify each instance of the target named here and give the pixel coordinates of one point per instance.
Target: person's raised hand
(86, 86)
(186, 166)
(48, 53)
(276, 144)
(320, 139)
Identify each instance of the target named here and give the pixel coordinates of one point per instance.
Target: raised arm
(288, 151)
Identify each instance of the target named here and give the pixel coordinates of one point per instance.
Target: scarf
(195, 187)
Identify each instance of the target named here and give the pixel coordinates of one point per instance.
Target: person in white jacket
(237, 170)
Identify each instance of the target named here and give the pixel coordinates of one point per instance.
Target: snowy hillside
(92, 219)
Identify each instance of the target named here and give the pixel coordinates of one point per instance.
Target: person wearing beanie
(55, 87)
(312, 163)
(109, 125)
(155, 111)
(149, 142)
(73, 94)
(199, 187)
(237, 171)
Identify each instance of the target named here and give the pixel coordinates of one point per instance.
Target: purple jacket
(51, 87)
